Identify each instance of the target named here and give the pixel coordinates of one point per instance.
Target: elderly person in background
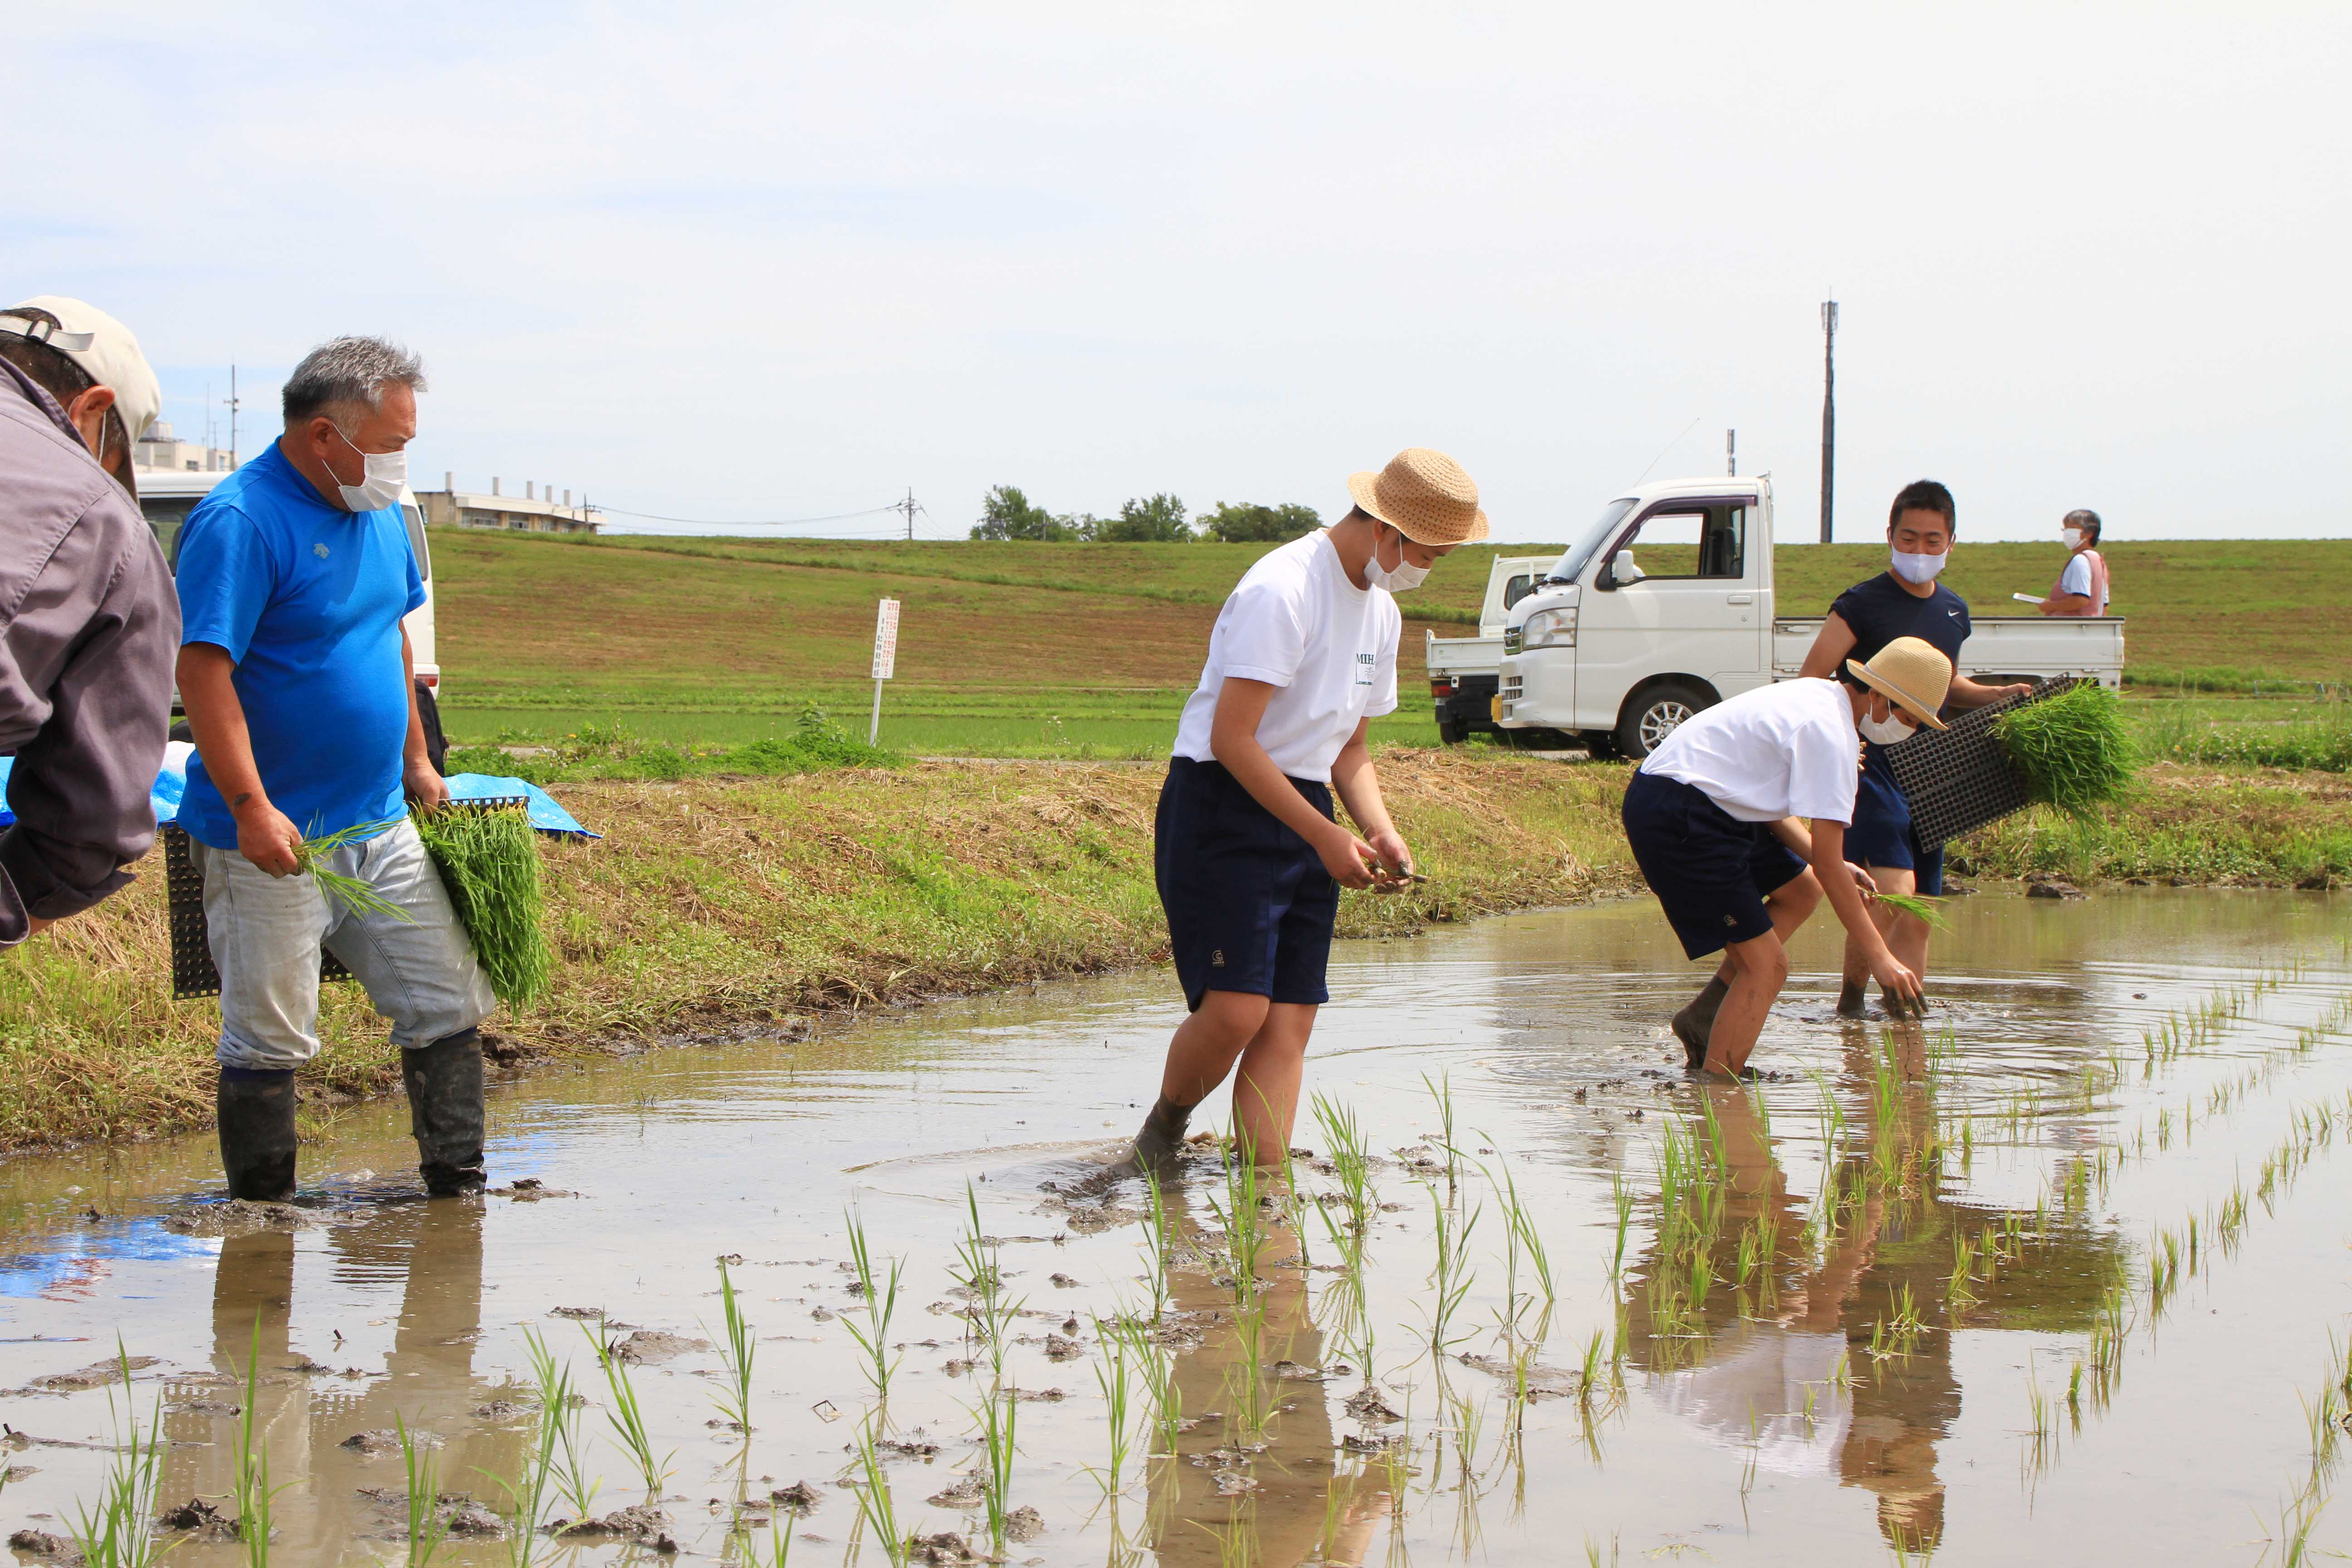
(295, 573)
(88, 620)
(2081, 587)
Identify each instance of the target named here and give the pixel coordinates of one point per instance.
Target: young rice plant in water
(121, 1532)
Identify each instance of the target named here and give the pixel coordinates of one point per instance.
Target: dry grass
(726, 907)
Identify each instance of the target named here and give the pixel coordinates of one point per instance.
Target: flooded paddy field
(2063, 1275)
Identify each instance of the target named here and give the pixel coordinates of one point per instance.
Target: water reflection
(308, 1409)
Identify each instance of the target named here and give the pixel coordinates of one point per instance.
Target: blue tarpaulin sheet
(171, 783)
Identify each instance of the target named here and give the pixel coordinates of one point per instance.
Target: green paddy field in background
(1088, 651)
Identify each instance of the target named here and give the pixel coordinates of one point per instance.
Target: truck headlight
(1549, 628)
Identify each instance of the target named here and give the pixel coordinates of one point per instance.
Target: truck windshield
(1571, 564)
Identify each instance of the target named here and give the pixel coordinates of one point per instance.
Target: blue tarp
(172, 782)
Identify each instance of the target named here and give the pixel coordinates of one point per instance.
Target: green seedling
(880, 1294)
(735, 1354)
(353, 893)
(559, 1416)
(1113, 1376)
(254, 1495)
(121, 1532)
(1449, 1278)
(1925, 910)
(628, 1419)
(2072, 749)
(527, 1495)
(489, 861)
(1441, 1092)
(874, 1506)
(999, 1416)
(427, 1528)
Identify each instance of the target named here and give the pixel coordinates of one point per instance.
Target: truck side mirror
(1622, 570)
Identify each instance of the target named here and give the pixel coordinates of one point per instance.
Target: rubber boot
(1695, 1024)
(444, 1112)
(256, 1109)
(1852, 1000)
(1158, 1141)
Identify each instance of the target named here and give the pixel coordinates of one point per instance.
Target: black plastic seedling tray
(1958, 780)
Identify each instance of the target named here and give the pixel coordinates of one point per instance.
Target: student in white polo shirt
(1714, 819)
(1249, 856)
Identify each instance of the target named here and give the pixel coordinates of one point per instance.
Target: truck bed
(1999, 647)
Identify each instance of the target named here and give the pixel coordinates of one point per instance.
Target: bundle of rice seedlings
(349, 891)
(1917, 907)
(2071, 748)
(489, 861)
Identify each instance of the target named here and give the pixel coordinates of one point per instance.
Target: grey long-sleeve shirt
(90, 625)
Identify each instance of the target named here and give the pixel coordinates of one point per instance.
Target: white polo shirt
(1327, 647)
(1788, 750)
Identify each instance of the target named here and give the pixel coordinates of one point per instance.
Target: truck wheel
(1600, 743)
(1446, 733)
(1650, 718)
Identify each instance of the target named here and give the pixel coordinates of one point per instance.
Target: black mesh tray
(1958, 780)
(193, 972)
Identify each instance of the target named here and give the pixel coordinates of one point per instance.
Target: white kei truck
(167, 496)
(1663, 606)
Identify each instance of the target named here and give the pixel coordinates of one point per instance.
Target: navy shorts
(1250, 907)
(1881, 834)
(1709, 869)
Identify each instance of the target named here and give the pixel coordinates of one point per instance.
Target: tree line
(1007, 513)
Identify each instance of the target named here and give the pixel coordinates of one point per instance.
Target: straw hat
(1911, 673)
(1423, 494)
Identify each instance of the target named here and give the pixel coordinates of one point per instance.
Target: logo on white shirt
(1365, 664)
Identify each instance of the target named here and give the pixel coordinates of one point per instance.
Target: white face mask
(1886, 732)
(382, 475)
(1918, 568)
(2072, 536)
(1396, 579)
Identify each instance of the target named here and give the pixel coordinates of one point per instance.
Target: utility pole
(1829, 411)
(232, 416)
(1731, 453)
(910, 509)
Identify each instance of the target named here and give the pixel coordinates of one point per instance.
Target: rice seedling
(121, 1532)
(559, 1415)
(1351, 1158)
(628, 1419)
(999, 1418)
(488, 861)
(875, 1507)
(428, 1526)
(1441, 1092)
(354, 893)
(1113, 1376)
(526, 1494)
(1159, 1241)
(780, 1541)
(1622, 1198)
(1245, 1227)
(254, 1495)
(1245, 1380)
(1448, 1278)
(2071, 748)
(1928, 911)
(879, 1294)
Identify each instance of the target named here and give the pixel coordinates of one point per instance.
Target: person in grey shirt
(89, 620)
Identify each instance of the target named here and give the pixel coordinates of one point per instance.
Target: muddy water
(1786, 1371)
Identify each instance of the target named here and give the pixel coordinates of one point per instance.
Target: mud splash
(2057, 1274)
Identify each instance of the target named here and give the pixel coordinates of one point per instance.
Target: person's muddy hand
(1347, 858)
(1902, 985)
(1396, 860)
(267, 836)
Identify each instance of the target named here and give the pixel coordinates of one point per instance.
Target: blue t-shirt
(1882, 609)
(306, 598)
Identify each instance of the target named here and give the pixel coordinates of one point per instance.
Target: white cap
(103, 348)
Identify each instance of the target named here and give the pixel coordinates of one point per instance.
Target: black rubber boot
(1853, 1001)
(256, 1109)
(445, 1110)
(1696, 1022)
(1163, 1136)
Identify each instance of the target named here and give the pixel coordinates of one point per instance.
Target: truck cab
(1662, 607)
(167, 496)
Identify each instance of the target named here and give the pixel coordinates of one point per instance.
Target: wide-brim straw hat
(1910, 674)
(1423, 494)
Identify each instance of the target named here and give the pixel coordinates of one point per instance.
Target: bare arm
(1358, 788)
(2065, 603)
(1830, 645)
(422, 780)
(1845, 895)
(1967, 693)
(265, 835)
(1232, 738)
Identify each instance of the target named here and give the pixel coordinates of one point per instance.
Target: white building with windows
(530, 512)
(160, 451)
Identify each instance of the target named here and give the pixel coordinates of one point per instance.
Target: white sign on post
(886, 660)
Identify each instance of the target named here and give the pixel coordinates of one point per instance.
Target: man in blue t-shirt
(294, 575)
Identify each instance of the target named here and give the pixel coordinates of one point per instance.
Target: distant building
(450, 506)
(160, 450)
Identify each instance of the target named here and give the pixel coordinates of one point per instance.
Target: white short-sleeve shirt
(1328, 647)
(1789, 750)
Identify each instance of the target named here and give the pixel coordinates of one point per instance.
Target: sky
(782, 261)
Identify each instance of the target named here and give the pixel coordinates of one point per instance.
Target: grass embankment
(1088, 650)
(722, 906)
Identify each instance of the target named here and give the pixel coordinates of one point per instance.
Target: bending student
(1249, 856)
(295, 573)
(1903, 601)
(1712, 817)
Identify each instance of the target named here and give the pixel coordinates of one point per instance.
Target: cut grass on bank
(732, 907)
